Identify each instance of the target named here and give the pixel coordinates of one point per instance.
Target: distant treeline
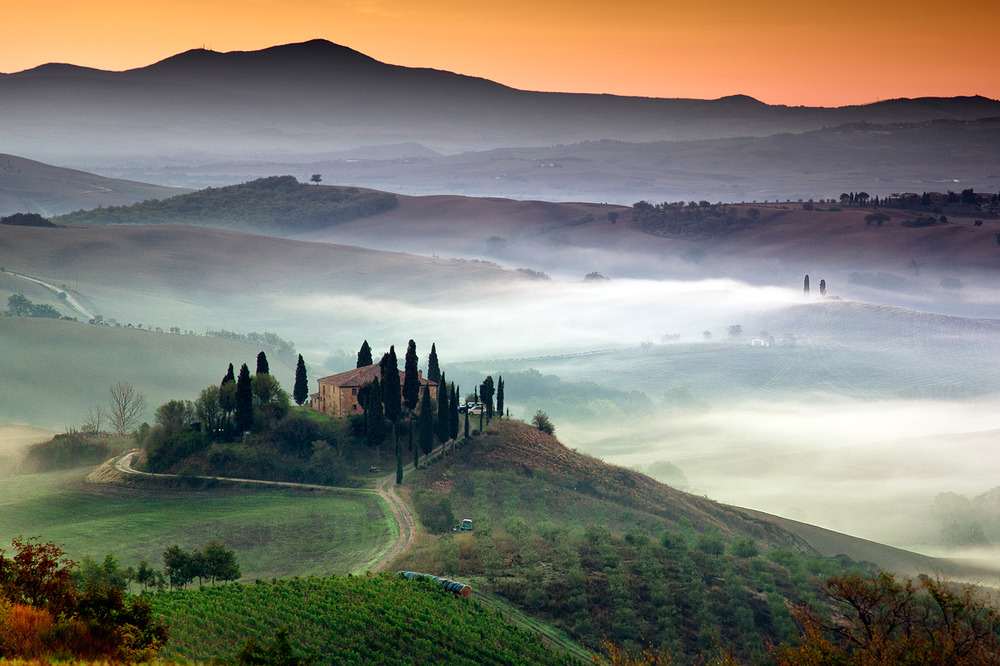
(274, 204)
(693, 220)
(284, 350)
(26, 220)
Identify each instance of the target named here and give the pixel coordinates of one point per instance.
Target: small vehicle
(471, 408)
(465, 526)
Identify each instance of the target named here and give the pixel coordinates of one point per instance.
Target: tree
(262, 367)
(433, 369)
(145, 575)
(500, 396)
(541, 421)
(229, 377)
(227, 402)
(453, 413)
(882, 620)
(486, 391)
(399, 461)
(208, 410)
(316, 178)
(411, 378)
(301, 391)
(127, 407)
(244, 400)
(374, 415)
(39, 574)
(175, 415)
(97, 417)
(364, 355)
(822, 287)
(220, 564)
(177, 566)
(443, 411)
(735, 331)
(391, 392)
(426, 422)
(805, 286)
(265, 389)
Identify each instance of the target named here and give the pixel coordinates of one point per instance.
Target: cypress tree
(486, 390)
(433, 369)
(374, 418)
(453, 412)
(244, 400)
(411, 380)
(466, 424)
(301, 391)
(805, 286)
(364, 355)
(262, 367)
(230, 376)
(500, 396)
(426, 422)
(389, 374)
(443, 411)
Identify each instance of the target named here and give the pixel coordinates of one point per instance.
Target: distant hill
(27, 186)
(278, 205)
(289, 101)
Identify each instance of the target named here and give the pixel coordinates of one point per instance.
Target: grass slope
(355, 620)
(275, 533)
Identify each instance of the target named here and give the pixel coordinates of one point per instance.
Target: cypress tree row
(411, 380)
(433, 369)
(262, 366)
(443, 411)
(364, 355)
(300, 393)
(486, 390)
(244, 400)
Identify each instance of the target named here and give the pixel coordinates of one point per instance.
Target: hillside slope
(28, 186)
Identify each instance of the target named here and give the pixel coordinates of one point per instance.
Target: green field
(275, 533)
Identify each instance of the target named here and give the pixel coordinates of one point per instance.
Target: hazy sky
(780, 51)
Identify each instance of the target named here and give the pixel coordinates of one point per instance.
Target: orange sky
(779, 51)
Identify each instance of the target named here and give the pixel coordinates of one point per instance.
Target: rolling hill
(29, 186)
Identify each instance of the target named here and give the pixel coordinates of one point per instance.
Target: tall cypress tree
(466, 424)
(411, 379)
(262, 367)
(229, 377)
(433, 369)
(500, 396)
(443, 411)
(389, 373)
(301, 391)
(244, 400)
(486, 390)
(426, 422)
(374, 417)
(453, 413)
(364, 355)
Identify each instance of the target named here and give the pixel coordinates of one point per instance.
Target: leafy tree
(265, 389)
(541, 421)
(39, 574)
(426, 422)
(244, 400)
(391, 392)
(486, 391)
(177, 566)
(443, 423)
(227, 402)
(127, 407)
(175, 415)
(145, 575)
(882, 620)
(500, 396)
(433, 369)
(262, 366)
(735, 331)
(316, 178)
(411, 379)
(220, 564)
(208, 409)
(301, 391)
(364, 355)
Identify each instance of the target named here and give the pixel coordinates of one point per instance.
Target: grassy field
(275, 533)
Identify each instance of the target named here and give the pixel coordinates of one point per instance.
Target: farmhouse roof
(364, 376)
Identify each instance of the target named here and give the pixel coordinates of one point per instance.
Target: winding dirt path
(385, 487)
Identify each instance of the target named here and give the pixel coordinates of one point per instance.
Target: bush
(541, 421)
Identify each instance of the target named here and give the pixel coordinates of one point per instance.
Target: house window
(354, 391)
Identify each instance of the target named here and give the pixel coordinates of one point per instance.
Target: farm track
(384, 488)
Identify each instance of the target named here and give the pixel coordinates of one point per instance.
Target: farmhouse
(338, 394)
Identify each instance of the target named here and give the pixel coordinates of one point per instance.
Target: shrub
(541, 421)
